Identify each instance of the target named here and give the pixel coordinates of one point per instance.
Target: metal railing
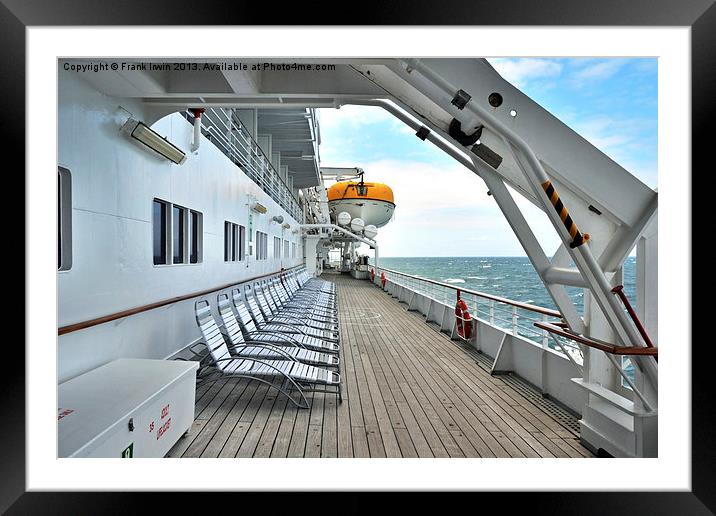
(223, 128)
(513, 316)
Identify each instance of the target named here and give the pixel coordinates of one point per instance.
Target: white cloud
(520, 71)
(421, 187)
(440, 211)
(623, 141)
(353, 116)
(599, 71)
(348, 126)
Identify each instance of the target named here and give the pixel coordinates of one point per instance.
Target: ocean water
(512, 277)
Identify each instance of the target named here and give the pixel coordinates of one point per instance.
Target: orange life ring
(382, 279)
(462, 319)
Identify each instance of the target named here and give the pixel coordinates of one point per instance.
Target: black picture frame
(700, 15)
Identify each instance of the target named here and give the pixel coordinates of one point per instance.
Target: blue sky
(442, 208)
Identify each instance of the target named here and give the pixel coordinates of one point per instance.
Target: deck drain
(560, 414)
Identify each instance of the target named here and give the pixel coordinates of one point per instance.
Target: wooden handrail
(151, 306)
(525, 306)
(597, 344)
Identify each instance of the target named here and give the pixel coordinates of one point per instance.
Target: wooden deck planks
(408, 391)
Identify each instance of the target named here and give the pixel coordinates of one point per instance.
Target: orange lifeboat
(372, 202)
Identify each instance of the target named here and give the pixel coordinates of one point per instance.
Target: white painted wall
(114, 181)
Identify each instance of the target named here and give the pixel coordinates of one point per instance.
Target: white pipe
(565, 276)
(376, 256)
(197, 131)
(371, 243)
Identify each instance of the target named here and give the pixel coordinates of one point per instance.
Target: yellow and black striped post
(577, 237)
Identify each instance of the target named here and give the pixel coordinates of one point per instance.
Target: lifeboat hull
(372, 202)
(371, 211)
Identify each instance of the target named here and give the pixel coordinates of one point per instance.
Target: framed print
(417, 248)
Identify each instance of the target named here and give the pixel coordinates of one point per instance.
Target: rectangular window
(261, 245)
(285, 249)
(177, 234)
(64, 219)
(195, 233)
(234, 250)
(293, 250)
(276, 248)
(178, 218)
(159, 230)
(228, 242)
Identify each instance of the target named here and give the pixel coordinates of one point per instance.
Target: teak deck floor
(408, 391)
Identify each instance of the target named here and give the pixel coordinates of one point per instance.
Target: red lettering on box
(64, 412)
(163, 429)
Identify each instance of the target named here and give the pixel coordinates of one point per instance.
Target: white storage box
(128, 408)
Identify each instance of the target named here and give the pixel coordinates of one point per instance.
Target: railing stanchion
(443, 293)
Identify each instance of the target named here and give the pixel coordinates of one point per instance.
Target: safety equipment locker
(127, 408)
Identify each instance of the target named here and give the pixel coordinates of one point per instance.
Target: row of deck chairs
(282, 331)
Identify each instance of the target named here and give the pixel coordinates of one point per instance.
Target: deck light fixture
(278, 219)
(286, 226)
(259, 208)
(153, 140)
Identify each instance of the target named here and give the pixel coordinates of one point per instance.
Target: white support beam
(530, 244)
(564, 276)
(436, 88)
(625, 239)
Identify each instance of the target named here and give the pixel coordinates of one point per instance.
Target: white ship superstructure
(194, 210)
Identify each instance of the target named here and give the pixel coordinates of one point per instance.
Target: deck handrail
(514, 316)
(518, 304)
(158, 304)
(598, 344)
(272, 183)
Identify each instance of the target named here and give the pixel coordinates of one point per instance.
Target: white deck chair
(324, 290)
(267, 302)
(257, 332)
(313, 283)
(294, 306)
(291, 374)
(264, 321)
(272, 347)
(287, 302)
(317, 299)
